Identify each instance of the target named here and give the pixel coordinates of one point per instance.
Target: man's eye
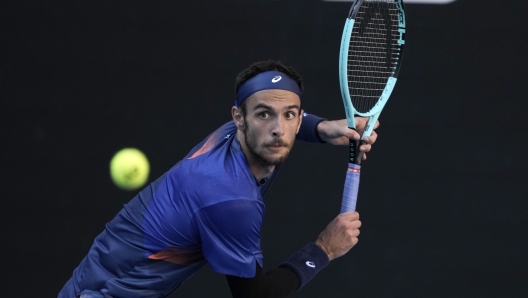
(264, 115)
(290, 115)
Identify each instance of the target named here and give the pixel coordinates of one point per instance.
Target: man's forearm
(291, 275)
(279, 282)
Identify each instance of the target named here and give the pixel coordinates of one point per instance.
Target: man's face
(271, 121)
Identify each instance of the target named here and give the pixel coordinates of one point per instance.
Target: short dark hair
(263, 66)
(269, 65)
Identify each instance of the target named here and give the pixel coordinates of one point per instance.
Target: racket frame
(354, 167)
(374, 113)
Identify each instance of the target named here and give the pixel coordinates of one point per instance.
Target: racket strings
(373, 52)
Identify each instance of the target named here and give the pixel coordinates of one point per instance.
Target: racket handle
(350, 192)
(356, 156)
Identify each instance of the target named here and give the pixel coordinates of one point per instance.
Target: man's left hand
(337, 133)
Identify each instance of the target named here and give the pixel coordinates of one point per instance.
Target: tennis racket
(369, 61)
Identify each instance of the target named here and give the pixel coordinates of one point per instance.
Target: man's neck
(259, 170)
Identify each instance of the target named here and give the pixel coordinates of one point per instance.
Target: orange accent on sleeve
(208, 145)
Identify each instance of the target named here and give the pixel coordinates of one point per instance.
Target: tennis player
(208, 208)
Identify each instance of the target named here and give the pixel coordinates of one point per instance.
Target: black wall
(443, 197)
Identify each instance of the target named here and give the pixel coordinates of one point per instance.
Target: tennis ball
(129, 169)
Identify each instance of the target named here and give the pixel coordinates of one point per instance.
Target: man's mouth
(276, 145)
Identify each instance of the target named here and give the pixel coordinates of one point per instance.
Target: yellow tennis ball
(129, 169)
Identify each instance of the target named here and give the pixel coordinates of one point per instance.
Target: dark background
(443, 193)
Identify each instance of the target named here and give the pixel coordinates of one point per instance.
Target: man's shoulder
(215, 140)
(218, 182)
(224, 165)
(218, 164)
(213, 177)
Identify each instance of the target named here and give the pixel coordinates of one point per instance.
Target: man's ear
(236, 113)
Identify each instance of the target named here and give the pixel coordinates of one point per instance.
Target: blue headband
(266, 80)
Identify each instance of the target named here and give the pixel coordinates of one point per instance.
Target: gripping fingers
(348, 216)
(377, 124)
(370, 140)
(368, 144)
(356, 224)
(353, 232)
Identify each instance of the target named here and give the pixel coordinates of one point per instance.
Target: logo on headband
(276, 79)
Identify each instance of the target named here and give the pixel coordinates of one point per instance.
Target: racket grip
(350, 192)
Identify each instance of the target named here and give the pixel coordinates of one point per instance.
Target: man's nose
(278, 127)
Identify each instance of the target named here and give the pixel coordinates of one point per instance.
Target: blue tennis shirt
(207, 209)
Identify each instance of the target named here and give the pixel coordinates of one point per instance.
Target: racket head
(371, 55)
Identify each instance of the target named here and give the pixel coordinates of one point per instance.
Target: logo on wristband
(310, 264)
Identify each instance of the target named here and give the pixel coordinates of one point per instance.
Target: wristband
(308, 131)
(307, 262)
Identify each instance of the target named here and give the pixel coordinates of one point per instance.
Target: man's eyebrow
(293, 107)
(264, 106)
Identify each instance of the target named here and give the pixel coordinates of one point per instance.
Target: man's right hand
(340, 235)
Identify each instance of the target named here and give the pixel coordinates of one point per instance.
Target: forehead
(273, 97)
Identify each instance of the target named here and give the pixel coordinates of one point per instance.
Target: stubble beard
(253, 148)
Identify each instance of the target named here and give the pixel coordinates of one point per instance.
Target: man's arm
(279, 282)
(319, 130)
(337, 132)
(336, 240)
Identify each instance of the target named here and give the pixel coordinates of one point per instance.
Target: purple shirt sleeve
(230, 236)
